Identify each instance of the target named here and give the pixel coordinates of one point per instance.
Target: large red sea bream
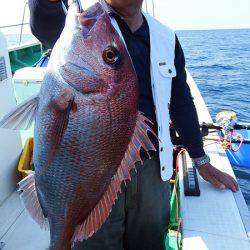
(88, 130)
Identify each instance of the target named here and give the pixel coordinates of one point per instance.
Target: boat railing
(149, 7)
(13, 25)
(21, 31)
(21, 25)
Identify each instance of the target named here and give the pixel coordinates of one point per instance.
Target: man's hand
(217, 178)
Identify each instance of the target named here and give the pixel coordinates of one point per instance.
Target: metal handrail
(21, 31)
(13, 25)
(153, 8)
(19, 24)
(146, 6)
(152, 5)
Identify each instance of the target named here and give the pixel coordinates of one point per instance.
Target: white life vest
(162, 69)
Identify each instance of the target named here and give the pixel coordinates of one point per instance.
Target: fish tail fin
(100, 213)
(22, 116)
(29, 196)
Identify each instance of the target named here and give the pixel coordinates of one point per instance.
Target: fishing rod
(217, 127)
(78, 3)
(65, 10)
(226, 123)
(206, 127)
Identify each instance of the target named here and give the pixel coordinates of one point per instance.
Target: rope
(224, 139)
(238, 136)
(176, 197)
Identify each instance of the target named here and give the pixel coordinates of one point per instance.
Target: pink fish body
(88, 131)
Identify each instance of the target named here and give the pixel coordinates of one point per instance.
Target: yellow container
(25, 161)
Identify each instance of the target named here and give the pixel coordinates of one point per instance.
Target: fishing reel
(226, 124)
(226, 120)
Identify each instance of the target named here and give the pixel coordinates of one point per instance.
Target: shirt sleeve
(182, 109)
(47, 20)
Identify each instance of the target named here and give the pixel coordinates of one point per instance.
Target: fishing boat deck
(17, 228)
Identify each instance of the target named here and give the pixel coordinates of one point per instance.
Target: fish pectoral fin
(28, 191)
(22, 116)
(63, 103)
(61, 106)
(100, 213)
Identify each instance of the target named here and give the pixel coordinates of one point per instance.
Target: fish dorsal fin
(22, 116)
(102, 210)
(28, 191)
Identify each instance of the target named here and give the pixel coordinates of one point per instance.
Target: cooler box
(27, 82)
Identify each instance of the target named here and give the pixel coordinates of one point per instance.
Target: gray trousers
(139, 218)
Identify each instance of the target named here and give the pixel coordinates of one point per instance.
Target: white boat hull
(10, 141)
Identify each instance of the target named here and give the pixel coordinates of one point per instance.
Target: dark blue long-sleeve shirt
(47, 21)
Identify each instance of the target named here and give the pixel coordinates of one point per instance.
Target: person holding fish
(102, 152)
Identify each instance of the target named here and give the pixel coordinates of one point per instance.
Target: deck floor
(18, 231)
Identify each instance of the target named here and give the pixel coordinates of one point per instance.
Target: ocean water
(219, 61)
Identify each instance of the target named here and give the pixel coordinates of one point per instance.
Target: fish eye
(111, 55)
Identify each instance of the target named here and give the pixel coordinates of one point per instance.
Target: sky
(178, 14)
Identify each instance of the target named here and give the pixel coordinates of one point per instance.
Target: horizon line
(206, 29)
(188, 29)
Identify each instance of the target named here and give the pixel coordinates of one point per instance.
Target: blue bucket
(240, 158)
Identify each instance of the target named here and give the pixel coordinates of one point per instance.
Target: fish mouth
(82, 78)
(89, 18)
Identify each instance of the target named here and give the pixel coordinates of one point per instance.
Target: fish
(88, 132)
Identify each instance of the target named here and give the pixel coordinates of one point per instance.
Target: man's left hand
(217, 178)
